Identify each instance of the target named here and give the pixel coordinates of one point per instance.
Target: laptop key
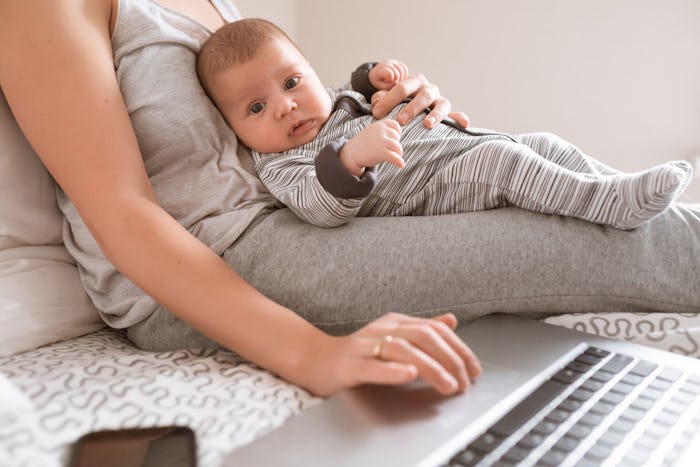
(599, 452)
(617, 363)
(531, 440)
(651, 393)
(642, 404)
(622, 426)
(516, 454)
(613, 397)
(579, 431)
(632, 414)
(602, 376)
(670, 374)
(660, 384)
(602, 408)
(632, 379)
(643, 368)
(545, 428)
(526, 409)
(588, 359)
(592, 385)
(552, 458)
(684, 395)
(597, 352)
(566, 376)
(591, 419)
(466, 458)
(666, 417)
(622, 388)
(612, 438)
(566, 444)
(486, 442)
(581, 395)
(693, 384)
(578, 366)
(570, 405)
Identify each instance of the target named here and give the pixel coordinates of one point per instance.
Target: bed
(101, 381)
(63, 374)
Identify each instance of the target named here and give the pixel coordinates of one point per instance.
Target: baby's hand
(379, 142)
(385, 74)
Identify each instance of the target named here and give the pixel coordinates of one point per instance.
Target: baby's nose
(285, 107)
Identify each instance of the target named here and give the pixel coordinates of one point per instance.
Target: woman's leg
(504, 260)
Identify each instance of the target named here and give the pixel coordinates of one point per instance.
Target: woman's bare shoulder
(58, 78)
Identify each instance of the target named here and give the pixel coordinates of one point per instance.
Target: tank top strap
(227, 10)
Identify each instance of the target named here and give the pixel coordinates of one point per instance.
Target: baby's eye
(291, 82)
(256, 108)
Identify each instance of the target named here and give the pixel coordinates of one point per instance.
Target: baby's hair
(233, 44)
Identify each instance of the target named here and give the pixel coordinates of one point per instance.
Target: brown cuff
(359, 80)
(336, 180)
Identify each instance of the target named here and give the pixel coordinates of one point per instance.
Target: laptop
(547, 396)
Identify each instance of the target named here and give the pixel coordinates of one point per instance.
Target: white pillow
(41, 299)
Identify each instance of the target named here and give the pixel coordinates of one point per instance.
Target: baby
(322, 153)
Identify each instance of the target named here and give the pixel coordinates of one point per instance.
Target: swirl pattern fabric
(101, 381)
(677, 332)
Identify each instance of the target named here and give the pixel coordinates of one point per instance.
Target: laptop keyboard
(602, 408)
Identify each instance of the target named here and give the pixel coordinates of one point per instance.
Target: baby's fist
(385, 74)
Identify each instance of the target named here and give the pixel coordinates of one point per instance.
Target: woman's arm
(58, 76)
(57, 73)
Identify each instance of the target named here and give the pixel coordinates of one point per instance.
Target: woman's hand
(396, 349)
(423, 95)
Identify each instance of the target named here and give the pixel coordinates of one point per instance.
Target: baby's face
(273, 102)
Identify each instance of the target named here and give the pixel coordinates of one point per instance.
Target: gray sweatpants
(505, 260)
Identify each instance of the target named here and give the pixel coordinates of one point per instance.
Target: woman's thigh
(505, 260)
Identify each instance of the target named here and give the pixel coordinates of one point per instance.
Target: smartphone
(171, 446)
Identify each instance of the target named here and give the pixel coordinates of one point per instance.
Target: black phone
(171, 446)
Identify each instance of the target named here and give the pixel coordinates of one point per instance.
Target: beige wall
(617, 78)
(281, 12)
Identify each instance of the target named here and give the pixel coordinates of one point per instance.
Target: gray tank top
(199, 173)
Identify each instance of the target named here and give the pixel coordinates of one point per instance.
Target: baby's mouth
(301, 127)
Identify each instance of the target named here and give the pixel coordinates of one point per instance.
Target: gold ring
(379, 346)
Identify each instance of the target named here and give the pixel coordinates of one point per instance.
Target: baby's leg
(499, 173)
(565, 154)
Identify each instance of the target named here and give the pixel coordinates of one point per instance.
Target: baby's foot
(688, 170)
(647, 194)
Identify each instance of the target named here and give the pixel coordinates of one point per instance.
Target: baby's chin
(287, 144)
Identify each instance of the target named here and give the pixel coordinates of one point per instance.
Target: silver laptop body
(505, 417)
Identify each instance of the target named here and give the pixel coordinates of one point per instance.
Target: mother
(174, 233)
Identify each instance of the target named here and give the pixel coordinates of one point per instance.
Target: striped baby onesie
(453, 170)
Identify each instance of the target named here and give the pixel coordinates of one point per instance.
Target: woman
(58, 75)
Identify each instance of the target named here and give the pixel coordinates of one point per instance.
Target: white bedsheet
(100, 381)
(674, 332)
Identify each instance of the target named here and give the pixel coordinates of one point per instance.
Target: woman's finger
(374, 371)
(444, 325)
(423, 99)
(460, 117)
(441, 108)
(398, 349)
(395, 96)
(431, 341)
